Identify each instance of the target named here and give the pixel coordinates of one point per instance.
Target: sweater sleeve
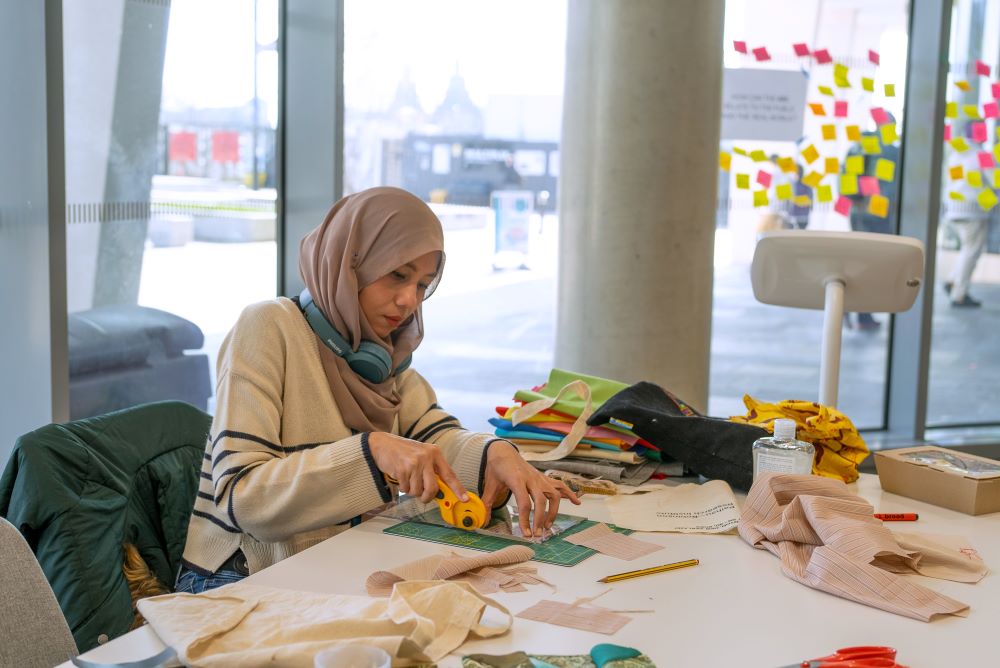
(262, 486)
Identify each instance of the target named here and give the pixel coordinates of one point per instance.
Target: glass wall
(811, 119)
(170, 144)
(461, 104)
(965, 364)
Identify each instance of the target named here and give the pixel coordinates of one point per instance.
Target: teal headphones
(371, 361)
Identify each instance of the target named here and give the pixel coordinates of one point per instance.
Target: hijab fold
(364, 237)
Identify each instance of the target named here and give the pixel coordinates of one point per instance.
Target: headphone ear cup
(371, 362)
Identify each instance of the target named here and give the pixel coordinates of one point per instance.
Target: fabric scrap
(600, 537)
(451, 565)
(575, 616)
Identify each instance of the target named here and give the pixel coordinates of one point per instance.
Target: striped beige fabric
(827, 539)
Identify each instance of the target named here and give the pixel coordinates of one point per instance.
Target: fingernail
(465, 497)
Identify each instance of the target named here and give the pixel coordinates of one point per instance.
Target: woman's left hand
(506, 470)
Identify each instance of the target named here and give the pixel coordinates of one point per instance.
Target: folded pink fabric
(828, 539)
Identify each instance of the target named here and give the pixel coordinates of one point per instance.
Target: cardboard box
(944, 477)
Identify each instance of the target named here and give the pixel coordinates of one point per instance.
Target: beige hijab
(364, 237)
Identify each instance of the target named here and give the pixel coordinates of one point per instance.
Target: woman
(315, 405)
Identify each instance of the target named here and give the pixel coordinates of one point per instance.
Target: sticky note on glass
(841, 82)
(843, 206)
(829, 131)
(822, 56)
(878, 205)
(888, 132)
(957, 196)
(783, 191)
(869, 185)
(979, 132)
(951, 110)
(760, 198)
(809, 153)
(890, 90)
(824, 194)
(996, 153)
(853, 132)
(840, 109)
(868, 84)
(848, 184)
(740, 46)
(985, 160)
(817, 108)
(854, 164)
(959, 144)
(840, 70)
(947, 132)
(971, 110)
(873, 56)
(743, 181)
(956, 172)
(786, 165)
(982, 68)
(737, 150)
(761, 54)
(870, 145)
(802, 200)
(800, 49)
(995, 90)
(763, 178)
(885, 170)
(812, 179)
(758, 155)
(826, 90)
(996, 178)
(991, 110)
(987, 199)
(974, 179)
(963, 86)
(832, 165)
(724, 161)
(879, 115)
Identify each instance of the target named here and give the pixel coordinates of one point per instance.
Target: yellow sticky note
(787, 165)
(810, 153)
(996, 154)
(885, 170)
(951, 110)
(824, 194)
(870, 145)
(956, 172)
(974, 179)
(832, 165)
(802, 200)
(812, 179)
(958, 197)
(987, 199)
(888, 132)
(783, 191)
(959, 144)
(760, 198)
(840, 70)
(738, 151)
(829, 131)
(996, 178)
(868, 84)
(743, 181)
(724, 161)
(878, 205)
(848, 184)
(890, 90)
(854, 164)
(841, 82)
(971, 110)
(853, 132)
(963, 85)
(826, 90)
(758, 155)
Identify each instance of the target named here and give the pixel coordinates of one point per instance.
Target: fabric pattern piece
(601, 538)
(572, 615)
(827, 539)
(479, 570)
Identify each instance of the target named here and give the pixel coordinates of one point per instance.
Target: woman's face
(390, 300)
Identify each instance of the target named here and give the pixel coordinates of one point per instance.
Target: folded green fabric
(601, 389)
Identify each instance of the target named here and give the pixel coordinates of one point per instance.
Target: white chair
(32, 626)
(836, 272)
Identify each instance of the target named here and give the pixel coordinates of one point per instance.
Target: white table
(736, 608)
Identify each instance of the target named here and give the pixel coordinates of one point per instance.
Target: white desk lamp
(837, 271)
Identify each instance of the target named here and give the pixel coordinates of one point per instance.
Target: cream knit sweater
(282, 471)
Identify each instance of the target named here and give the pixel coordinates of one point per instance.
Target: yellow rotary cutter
(469, 515)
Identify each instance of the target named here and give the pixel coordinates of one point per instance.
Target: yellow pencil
(650, 570)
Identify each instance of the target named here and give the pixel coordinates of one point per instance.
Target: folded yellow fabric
(839, 447)
(247, 625)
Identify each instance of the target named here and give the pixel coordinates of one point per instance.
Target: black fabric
(712, 447)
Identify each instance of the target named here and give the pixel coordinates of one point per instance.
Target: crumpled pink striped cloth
(827, 539)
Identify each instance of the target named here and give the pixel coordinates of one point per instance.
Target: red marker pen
(897, 517)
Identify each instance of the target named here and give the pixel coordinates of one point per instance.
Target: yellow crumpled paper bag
(839, 447)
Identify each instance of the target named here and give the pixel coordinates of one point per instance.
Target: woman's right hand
(415, 465)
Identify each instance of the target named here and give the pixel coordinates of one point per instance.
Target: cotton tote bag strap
(576, 432)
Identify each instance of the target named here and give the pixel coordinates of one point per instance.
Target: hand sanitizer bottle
(781, 453)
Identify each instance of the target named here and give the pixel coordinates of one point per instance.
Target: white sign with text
(763, 105)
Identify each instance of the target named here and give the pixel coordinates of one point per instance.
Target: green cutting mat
(553, 551)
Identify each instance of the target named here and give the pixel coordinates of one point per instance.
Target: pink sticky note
(760, 53)
(991, 110)
(873, 56)
(843, 206)
(982, 68)
(879, 115)
(822, 56)
(840, 108)
(979, 133)
(800, 49)
(947, 132)
(995, 90)
(763, 178)
(741, 47)
(869, 185)
(985, 160)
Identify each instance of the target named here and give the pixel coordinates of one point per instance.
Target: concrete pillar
(637, 191)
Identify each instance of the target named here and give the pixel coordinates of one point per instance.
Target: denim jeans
(190, 582)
